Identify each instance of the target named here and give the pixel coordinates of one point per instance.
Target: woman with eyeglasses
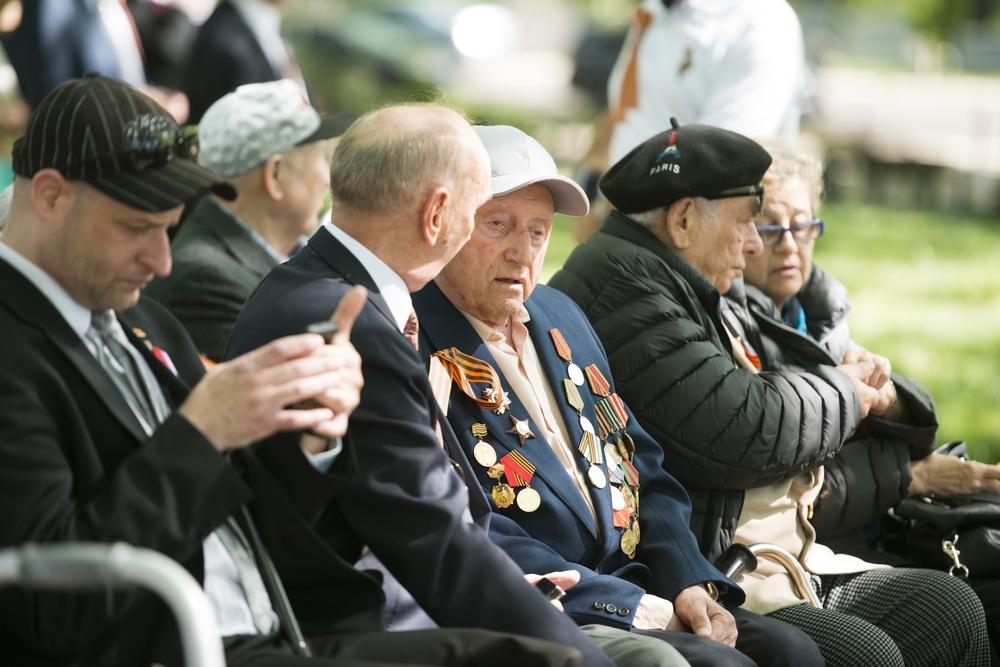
(799, 317)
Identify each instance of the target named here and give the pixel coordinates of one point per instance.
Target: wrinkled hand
(879, 378)
(950, 475)
(246, 399)
(859, 371)
(565, 580)
(695, 611)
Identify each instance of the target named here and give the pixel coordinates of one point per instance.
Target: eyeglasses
(748, 191)
(146, 145)
(802, 232)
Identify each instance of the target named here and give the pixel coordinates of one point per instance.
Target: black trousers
(761, 641)
(453, 647)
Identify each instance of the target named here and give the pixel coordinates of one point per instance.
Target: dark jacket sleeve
(872, 473)
(721, 427)
(166, 494)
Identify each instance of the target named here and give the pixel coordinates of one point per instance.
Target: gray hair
(385, 162)
(649, 219)
(788, 161)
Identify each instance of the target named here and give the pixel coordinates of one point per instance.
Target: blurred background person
(241, 42)
(735, 64)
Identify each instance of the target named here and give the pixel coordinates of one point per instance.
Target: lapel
(554, 369)
(175, 390)
(443, 326)
(27, 303)
(211, 219)
(340, 259)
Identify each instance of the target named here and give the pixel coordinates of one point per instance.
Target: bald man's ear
(676, 226)
(52, 194)
(432, 216)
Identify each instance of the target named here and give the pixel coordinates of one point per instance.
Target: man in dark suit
(269, 142)
(109, 429)
(405, 184)
(58, 40)
(576, 482)
(240, 43)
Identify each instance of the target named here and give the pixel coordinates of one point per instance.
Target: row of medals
(617, 450)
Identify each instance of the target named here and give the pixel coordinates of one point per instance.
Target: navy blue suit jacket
(561, 534)
(392, 489)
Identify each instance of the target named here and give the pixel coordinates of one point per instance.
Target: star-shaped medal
(520, 429)
(489, 393)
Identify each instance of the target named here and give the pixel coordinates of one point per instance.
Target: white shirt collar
(77, 316)
(390, 285)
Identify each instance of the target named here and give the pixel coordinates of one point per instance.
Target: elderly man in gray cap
(747, 445)
(575, 482)
(269, 142)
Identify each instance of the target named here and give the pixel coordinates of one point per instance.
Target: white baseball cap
(252, 123)
(517, 160)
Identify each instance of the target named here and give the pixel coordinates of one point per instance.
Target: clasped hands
(870, 374)
(249, 398)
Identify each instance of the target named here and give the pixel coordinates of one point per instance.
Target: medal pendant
(627, 446)
(628, 542)
(485, 455)
(586, 425)
(575, 374)
(612, 454)
(597, 477)
(617, 499)
(528, 499)
(495, 471)
(502, 495)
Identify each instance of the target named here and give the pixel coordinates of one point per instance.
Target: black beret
(689, 161)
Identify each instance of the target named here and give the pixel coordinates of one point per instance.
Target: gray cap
(252, 123)
(517, 160)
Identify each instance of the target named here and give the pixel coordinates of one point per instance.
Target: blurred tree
(935, 19)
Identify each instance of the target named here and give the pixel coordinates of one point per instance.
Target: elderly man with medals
(575, 482)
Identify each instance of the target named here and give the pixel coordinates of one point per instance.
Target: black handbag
(959, 534)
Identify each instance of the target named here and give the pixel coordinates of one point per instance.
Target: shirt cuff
(322, 461)
(652, 613)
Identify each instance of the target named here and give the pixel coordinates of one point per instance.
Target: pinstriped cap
(115, 138)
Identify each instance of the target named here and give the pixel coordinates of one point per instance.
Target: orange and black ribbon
(467, 370)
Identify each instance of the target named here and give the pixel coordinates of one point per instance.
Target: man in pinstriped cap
(110, 430)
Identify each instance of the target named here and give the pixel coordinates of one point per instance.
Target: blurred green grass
(926, 293)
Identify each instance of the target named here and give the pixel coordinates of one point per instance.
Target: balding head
(406, 182)
(391, 159)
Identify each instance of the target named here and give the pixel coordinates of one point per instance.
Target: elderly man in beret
(575, 482)
(747, 445)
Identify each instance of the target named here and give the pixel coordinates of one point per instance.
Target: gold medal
(612, 453)
(627, 446)
(495, 471)
(485, 455)
(597, 477)
(503, 496)
(628, 542)
(617, 499)
(528, 499)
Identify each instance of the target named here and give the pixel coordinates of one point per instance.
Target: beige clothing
(779, 514)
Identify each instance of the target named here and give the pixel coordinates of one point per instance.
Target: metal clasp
(950, 548)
